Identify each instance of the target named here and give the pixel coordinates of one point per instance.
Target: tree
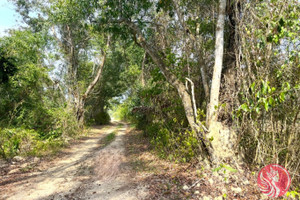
(212, 114)
(69, 24)
(120, 76)
(160, 48)
(212, 110)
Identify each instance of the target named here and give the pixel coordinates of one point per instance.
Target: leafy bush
(179, 147)
(122, 111)
(158, 111)
(46, 147)
(16, 141)
(102, 118)
(27, 142)
(64, 123)
(34, 115)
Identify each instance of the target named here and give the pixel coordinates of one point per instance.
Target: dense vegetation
(212, 80)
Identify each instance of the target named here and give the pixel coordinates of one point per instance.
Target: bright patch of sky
(8, 17)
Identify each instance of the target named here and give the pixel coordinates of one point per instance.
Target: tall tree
(69, 23)
(175, 53)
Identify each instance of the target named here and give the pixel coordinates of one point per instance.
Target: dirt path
(89, 170)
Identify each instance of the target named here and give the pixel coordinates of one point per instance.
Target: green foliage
(268, 99)
(110, 137)
(16, 141)
(178, 147)
(7, 66)
(293, 194)
(102, 118)
(33, 117)
(121, 72)
(159, 113)
(225, 167)
(122, 112)
(25, 89)
(26, 142)
(64, 123)
(263, 96)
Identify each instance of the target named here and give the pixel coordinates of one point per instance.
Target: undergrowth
(27, 142)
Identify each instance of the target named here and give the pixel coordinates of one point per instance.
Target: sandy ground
(87, 171)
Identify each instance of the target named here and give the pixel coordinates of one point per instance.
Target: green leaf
(252, 86)
(264, 87)
(287, 86)
(282, 96)
(257, 109)
(270, 38)
(266, 106)
(273, 89)
(217, 169)
(271, 101)
(269, 89)
(245, 107)
(281, 22)
(257, 94)
(229, 168)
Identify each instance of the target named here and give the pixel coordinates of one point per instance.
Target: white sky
(8, 17)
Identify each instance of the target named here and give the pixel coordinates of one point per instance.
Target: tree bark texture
(212, 113)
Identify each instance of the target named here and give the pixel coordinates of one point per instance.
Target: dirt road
(89, 170)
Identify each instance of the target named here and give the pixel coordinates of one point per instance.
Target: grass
(120, 125)
(108, 139)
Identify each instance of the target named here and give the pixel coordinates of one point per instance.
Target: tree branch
(97, 77)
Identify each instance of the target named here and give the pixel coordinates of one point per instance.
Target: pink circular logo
(274, 180)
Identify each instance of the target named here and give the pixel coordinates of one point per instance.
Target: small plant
(225, 167)
(16, 141)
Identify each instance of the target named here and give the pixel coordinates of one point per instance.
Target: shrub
(102, 118)
(16, 141)
(176, 146)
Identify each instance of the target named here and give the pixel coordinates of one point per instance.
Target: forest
(207, 83)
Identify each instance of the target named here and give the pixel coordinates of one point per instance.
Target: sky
(8, 17)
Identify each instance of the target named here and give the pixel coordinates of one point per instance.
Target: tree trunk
(222, 138)
(80, 113)
(143, 69)
(204, 82)
(176, 83)
(82, 99)
(212, 114)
